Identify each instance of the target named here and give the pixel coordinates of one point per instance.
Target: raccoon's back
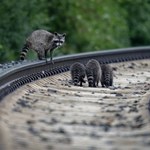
(93, 68)
(107, 75)
(41, 36)
(77, 69)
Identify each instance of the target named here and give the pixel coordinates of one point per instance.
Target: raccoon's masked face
(59, 39)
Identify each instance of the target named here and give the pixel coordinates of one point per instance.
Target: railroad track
(50, 113)
(12, 79)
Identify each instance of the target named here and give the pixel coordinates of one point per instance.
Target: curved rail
(18, 76)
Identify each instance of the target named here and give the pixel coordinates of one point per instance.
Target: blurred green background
(90, 24)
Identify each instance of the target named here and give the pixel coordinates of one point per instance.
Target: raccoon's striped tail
(24, 51)
(90, 80)
(107, 80)
(76, 79)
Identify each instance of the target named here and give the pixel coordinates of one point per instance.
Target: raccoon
(42, 41)
(77, 71)
(93, 72)
(107, 75)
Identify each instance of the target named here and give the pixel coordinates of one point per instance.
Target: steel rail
(15, 77)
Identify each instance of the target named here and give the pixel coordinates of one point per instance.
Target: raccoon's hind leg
(94, 83)
(111, 81)
(82, 81)
(97, 83)
(102, 83)
(41, 55)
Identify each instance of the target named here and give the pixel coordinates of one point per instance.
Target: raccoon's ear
(64, 35)
(55, 33)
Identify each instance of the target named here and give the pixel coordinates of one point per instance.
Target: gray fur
(93, 72)
(77, 71)
(42, 41)
(107, 75)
